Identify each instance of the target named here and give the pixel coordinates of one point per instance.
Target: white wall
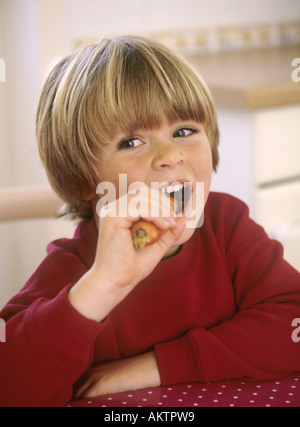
(5, 152)
(94, 17)
(7, 234)
(28, 41)
(32, 34)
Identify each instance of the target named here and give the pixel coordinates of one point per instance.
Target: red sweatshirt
(221, 308)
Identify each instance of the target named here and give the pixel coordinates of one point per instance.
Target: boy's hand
(118, 265)
(134, 373)
(116, 251)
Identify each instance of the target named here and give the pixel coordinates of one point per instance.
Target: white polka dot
(196, 404)
(124, 403)
(160, 403)
(235, 397)
(216, 401)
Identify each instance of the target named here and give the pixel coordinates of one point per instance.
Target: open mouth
(181, 192)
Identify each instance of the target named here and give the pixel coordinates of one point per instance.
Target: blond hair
(117, 85)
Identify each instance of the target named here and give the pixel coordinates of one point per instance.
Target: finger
(166, 241)
(82, 389)
(145, 233)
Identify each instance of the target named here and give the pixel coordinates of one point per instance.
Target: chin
(186, 235)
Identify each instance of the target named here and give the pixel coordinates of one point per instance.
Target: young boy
(101, 316)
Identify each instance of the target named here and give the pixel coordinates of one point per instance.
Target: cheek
(203, 166)
(203, 171)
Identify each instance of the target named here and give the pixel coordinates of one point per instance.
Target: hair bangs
(142, 89)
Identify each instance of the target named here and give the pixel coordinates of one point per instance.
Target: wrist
(94, 296)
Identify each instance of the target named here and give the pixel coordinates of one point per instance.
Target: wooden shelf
(251, 79)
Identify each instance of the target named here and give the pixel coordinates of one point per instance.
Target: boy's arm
(49, 344)
(118, 264)
(257, 341)
(135, 373)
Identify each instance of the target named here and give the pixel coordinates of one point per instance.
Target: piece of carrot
(145, 233)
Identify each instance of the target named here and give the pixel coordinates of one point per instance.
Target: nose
(167, 156)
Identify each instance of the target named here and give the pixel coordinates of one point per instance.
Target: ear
(89, 195)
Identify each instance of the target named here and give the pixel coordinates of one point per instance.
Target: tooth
(173, 188)
(178, 187)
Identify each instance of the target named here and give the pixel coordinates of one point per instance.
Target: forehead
(137, 87)
(147, 107)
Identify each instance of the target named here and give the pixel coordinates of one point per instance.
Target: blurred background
(243, 48)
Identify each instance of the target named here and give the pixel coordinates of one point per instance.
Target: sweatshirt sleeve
(48, 343)
(256, 343)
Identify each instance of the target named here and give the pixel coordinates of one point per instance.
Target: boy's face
(177, 152)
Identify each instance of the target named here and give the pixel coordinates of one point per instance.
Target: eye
(129, 143)
(183, 132)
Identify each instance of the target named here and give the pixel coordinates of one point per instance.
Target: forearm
(119, 266)
(48, 346)
(134, 373)
(248, 345)
(95, 295)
